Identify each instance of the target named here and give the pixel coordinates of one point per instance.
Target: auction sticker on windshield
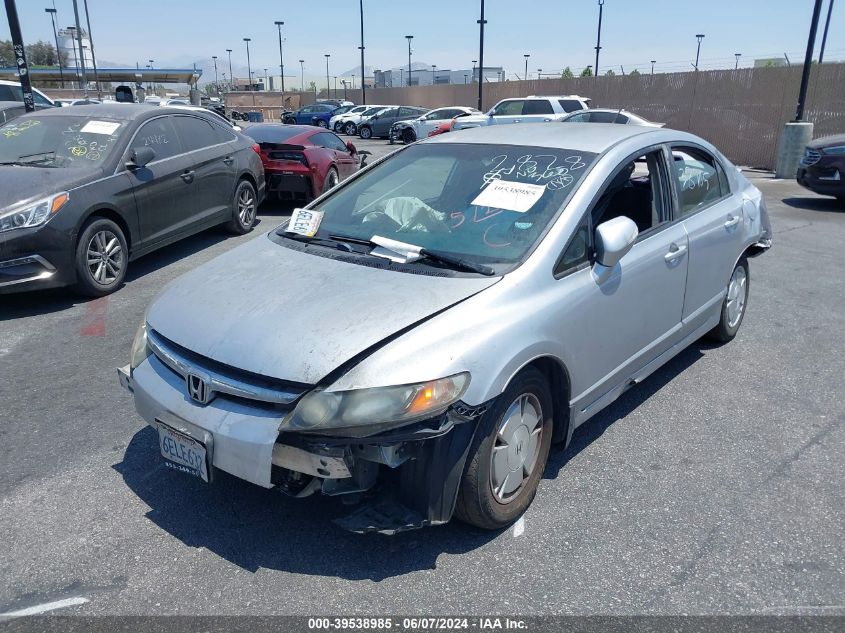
(182, 452)
(100, 127)
(510, 196)
(305, 222)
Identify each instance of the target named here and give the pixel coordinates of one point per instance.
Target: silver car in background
(462, 304)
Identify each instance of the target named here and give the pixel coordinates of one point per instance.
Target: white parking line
(519, 527)
(47, 606)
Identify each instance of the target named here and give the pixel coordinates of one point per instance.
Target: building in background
(69, 47)
(423, 76)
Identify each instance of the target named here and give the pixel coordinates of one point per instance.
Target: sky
(556, 33)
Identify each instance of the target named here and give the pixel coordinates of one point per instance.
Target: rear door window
(700, 178)
(195, 133)
(537, 106)
(570, 105)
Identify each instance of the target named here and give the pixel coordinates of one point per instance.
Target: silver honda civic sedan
(417, 338)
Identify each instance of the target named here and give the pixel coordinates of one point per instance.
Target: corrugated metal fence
(739, 111)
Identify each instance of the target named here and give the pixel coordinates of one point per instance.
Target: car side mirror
(375, 116)
(351, 147)
(614, 239)
(140, 157)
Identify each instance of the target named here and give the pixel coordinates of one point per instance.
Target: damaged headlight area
(380, 406)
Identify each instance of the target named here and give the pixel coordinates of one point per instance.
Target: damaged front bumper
(402, 479)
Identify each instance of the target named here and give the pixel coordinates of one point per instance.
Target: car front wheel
(101, 258)
(408, 136)
(366, 133)
(245, 207)
(331, 180)
(734, 304)
(322, 124)
(351, 129)
(508, 454)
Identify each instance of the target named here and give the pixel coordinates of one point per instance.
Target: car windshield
(484, 203)
(59, 141)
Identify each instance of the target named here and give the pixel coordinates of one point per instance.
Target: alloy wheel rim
(332, 179)
(104, 257)
(246, 206)
(516, 448)
(736, 296)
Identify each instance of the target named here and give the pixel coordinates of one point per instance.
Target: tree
(40, 53)
(587, 72)
(567, 73)
(634, 72)
(609, 73)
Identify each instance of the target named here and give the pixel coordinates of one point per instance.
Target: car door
(164, 189)
(536, 111)
(713, 217)
(431, 121)
(212, 167)
(381, 125)
(620, 322)
(346, 163)
(507, 111)
(303, 115)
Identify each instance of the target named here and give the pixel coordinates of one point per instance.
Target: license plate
(182, 452)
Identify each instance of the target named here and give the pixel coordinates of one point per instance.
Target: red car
(302, 162)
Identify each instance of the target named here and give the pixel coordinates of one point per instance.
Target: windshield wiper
(20, 163)
(457, 262)
(298, 237)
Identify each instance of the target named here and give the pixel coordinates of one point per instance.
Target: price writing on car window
(540, 168)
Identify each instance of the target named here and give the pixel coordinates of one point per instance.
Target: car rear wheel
(338, 126)
(101, 258)
(365, 132)
(245, 208)
(508, 454)
(734, 304)
(322, 124)
(289, 121)
(351, 129)
(408, 136)
(331, 180)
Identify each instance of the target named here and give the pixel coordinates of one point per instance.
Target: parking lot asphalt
(713, 487)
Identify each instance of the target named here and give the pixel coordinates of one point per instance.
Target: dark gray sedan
(85, 190)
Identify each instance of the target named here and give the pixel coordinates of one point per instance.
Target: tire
(337, 127)
(351, 129)
(322, 124)
(331, 180)
(365, 132)
(101, 258)
(486, 499)
(734, 305)
(408, 136)
(289, 121)
(244, 209)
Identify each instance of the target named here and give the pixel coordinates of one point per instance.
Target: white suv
(532, 109)
(12, 91)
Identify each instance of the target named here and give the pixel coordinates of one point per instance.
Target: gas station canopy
(188, 76)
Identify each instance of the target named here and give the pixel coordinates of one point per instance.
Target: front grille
(221, 378)
(811, 157)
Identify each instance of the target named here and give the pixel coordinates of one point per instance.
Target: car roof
(300, 130)
(588, 137)
(113, 110)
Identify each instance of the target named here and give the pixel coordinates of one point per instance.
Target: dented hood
(291, 315)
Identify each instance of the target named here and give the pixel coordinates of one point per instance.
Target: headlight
(836, 151)
(378, 406)
(32, 214)
(140, 349)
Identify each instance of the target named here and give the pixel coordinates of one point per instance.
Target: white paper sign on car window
(100, 127)
(510, 196)
(305, 222)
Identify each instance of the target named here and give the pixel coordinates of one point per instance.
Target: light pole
(824, 35)
(474, 62)
(737, 56)
(539, 73)
(83, 78)
(481, 23)
(266, 79)
(249, 69)
(328, 86)
(52, 13)
(302, 75)
(281, 58)
(433, 71)
(465, 78)
(526, 56)
(598, 37)
(19, 52)
(363, 83)
(231, 76)
(344, 82)
(409, 38)
(699, 37)
(653, 61)
(152, 90)
(216, 84)
(808, 59)
(93, 56)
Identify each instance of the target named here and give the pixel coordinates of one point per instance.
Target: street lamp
(151, 83)
(433, 71)
(465, 78)
(249, 69)
(216, 85)
(231, 76)
(481, 22)
(328, 86)
(598, 37)
(266, 79)
(363, 83)
(526, 56)
(737, 56)
(474, 62)
(539, 73)
(52, 13)
(281, 57)
(93, 55)
(409, 38)
(653, 61)
(302, 75)
(699, 37)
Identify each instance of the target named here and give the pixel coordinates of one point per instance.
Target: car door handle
(228, 160)
(675, 252)
(188, 177)
(732, 220)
